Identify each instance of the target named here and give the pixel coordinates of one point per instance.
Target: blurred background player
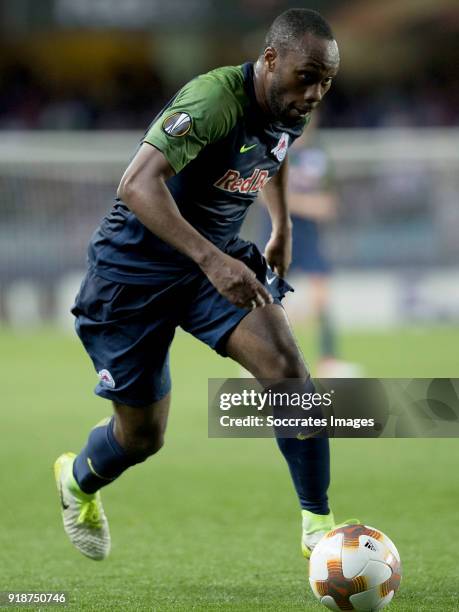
(313, 203)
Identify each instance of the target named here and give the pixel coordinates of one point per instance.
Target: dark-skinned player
(168, 254)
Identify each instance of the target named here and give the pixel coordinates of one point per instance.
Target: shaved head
(289, 28)
(297, 65)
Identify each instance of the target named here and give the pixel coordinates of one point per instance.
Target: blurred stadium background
(79, 82)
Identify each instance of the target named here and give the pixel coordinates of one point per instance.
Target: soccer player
(169, 255)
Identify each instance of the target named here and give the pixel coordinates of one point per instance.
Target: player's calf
(128, 438)
(140, 438)
(114, 445)
(103, 459)
(140, 431)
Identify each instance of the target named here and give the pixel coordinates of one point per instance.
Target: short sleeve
(204, 111)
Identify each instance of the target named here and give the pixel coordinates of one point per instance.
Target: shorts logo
(280, 150)
(232, 181)
(106, 379)
(177, 124)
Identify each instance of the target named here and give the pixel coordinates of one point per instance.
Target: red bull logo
(233, 182)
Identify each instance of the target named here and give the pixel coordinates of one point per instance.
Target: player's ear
(270, 58)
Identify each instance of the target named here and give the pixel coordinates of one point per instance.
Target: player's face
(298, 80)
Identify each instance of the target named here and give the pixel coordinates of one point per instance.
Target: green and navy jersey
(223, 150)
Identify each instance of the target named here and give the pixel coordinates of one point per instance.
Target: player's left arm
(278, 251)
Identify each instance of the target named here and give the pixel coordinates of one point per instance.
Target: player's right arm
(143, 189)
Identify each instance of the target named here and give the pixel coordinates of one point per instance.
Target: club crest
(106, 378)
(280, 150)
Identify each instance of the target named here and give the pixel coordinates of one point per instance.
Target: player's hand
(235, 281)
(278, 252)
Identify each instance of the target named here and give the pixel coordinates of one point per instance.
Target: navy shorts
(127, 329)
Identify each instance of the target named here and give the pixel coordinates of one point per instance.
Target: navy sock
(308, 461)
(102, 460)
(309, 464)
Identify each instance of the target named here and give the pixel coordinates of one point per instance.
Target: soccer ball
(355, 567)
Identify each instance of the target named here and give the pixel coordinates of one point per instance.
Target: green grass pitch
(212, 524)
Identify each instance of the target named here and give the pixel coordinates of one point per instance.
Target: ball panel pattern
(393, 582)
(338, 586)
(330, 603)
(329, 548)
(372, 564)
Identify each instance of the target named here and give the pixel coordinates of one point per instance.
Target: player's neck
(258, 85)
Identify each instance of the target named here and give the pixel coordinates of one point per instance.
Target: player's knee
(287, 364)
(141, 431)
(153, 444)
(292, 366)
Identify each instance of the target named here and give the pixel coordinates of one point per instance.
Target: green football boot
(315, 526)
(83, 516)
